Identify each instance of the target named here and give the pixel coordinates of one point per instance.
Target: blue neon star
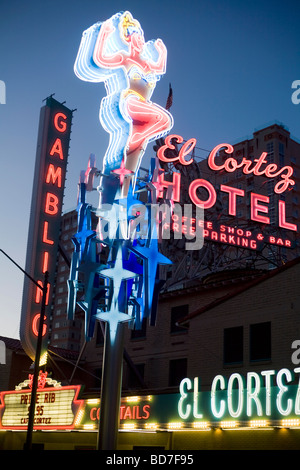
(118, 274)
(151, 259)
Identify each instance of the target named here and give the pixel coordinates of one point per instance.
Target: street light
(44, 288)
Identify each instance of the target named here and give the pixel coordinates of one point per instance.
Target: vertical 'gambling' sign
(46, 207)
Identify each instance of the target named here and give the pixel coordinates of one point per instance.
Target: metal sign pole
(111, 388)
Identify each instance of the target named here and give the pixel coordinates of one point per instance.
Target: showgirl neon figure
(115, 52)
(123, 284)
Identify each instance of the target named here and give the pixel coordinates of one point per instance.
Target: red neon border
(78, 404)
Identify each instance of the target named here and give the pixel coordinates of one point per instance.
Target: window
(225, 179)
(97, 373)
(136, 334)
(177, 371)
(270, 152)
(260, 341)
(270, 186)
(177, 313)
(233, 345)
(281, 154)
(133, 381)
(100, 334)
(272, 214)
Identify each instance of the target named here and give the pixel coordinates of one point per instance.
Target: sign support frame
(111, 389)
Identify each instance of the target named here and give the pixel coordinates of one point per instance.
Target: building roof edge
(240, 290)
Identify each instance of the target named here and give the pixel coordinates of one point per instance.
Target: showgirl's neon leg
(118, 128)
(149, 122)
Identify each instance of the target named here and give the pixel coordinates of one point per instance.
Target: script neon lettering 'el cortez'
(258, 167)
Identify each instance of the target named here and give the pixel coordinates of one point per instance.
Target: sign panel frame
(45, 218)
(56, 408)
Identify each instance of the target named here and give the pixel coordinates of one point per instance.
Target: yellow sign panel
(56, 408)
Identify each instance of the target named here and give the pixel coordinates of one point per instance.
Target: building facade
(278, 246)
(228, 319)
(216, 360)
(202, 276)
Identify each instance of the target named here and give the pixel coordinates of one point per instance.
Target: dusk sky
(231, 65)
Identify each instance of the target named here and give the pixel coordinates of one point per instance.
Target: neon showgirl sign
(116, 53)
(125, 289)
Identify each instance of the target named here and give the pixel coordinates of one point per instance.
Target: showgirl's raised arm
(161, 64)
(100, 57)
